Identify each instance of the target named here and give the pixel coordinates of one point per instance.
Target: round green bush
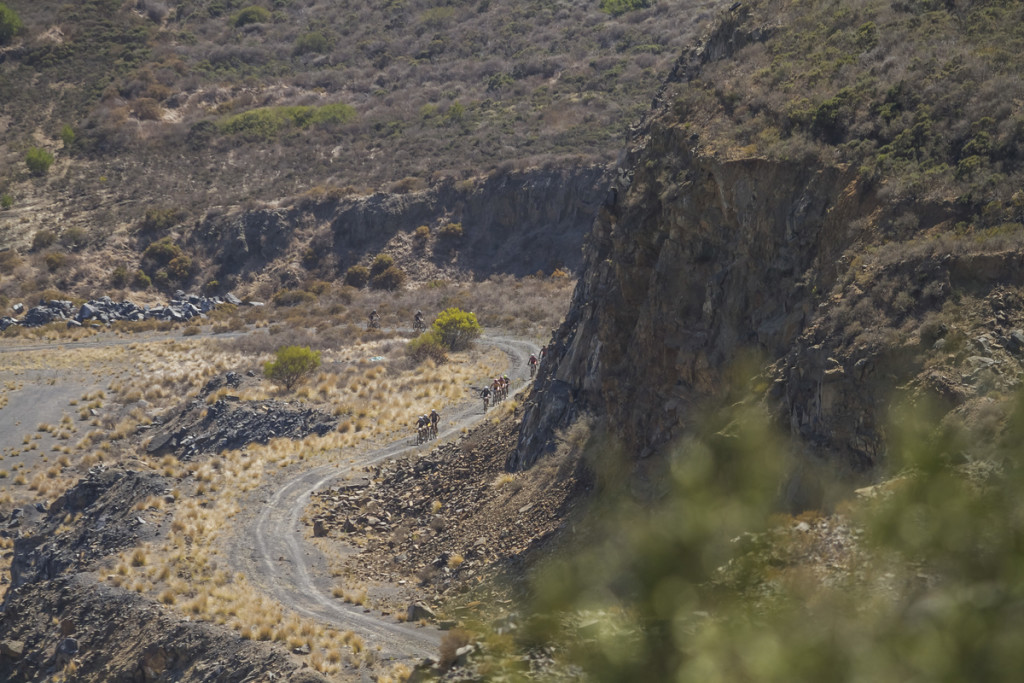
(10, 24)
(252, 15)
(38, 161)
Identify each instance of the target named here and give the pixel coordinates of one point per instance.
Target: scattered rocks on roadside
(180, 308)
(442, 523)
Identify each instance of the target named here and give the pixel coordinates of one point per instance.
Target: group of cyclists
(426, 426)
(497, 391)
(418, 323)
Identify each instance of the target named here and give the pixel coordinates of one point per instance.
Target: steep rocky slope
(844, 294)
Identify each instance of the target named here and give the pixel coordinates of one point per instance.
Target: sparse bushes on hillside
(451, 232)
(427, 345)
(293, 297)
(159, 219)
(43, 239)
(357, 276)
(10, 24)
(390, 279)
(119, 277)
(55, 261)
(266, 123)
(38, 161)
(253, 14)
(617, 7)
(140, 280)
(67, 136)
(314, 41)
(162, 252)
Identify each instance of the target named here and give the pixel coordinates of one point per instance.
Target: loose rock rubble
(229, 423)
(180, 308)
(446, 520)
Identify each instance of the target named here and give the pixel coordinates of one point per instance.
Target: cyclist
(435, 418)
(533, 364)
(485, 394)
(422, 428)
(417, 322)
(374, 318)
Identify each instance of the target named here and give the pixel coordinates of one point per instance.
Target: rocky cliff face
(697, 261)
(513, 222)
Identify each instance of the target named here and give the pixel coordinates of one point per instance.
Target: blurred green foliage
(701, 584)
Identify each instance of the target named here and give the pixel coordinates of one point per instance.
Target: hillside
(162, 117)
(796, 347)
(849, 261)
(776, 436)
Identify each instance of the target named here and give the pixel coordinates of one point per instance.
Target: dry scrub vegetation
(362, 97)
(187, 571)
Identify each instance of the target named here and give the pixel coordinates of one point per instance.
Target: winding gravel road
(272, 551)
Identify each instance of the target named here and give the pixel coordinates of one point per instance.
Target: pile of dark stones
(104, 311)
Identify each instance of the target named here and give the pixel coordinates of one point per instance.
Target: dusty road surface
(271, 548)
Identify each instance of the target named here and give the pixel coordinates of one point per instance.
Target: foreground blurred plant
(704, 584)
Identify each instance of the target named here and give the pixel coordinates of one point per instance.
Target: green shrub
(421, 234)
(6, 200)
(357, 276)
(292, 363)
(119, 278)
(160, 219)
(314, 41)
(293, 297)
(55, 260)
(67, 136)
(427, 345)
(619, 7)
(162, 252)
(43, 240)
(265, 123)
(456, 329)
(141, 281)
(38, 161)
(390, 279)
(10, 24)
(252, 15)
(450, 231)
(180, 269)
(74, 238)
(381, 262)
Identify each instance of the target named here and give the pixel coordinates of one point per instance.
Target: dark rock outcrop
(697, 261)
(228, 424)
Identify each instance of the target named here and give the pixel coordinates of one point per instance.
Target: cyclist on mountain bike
(374, 318)
(417, 322)
(485, 394)
(533, 364)
(435, 418)
(422, 428)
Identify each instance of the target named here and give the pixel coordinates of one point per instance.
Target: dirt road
(272, 551)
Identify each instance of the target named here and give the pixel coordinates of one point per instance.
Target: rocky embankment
(230, 423)
(699, 261)
(104, 311)
(446, 520)
(59, 619)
